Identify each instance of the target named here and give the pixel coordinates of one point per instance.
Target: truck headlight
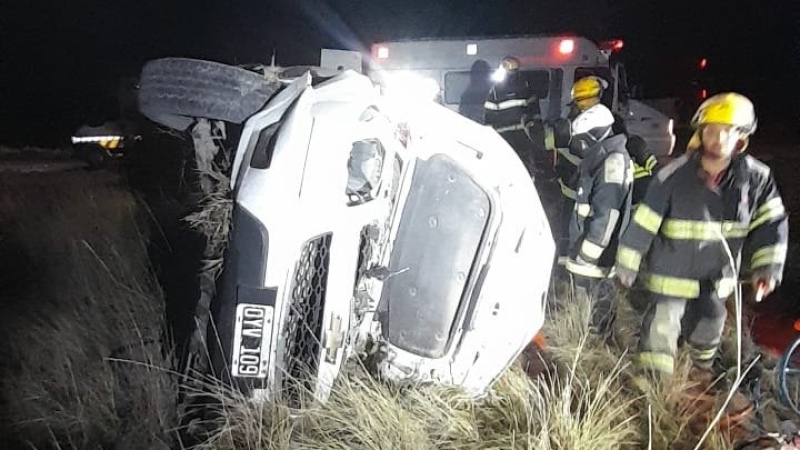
(364, 171)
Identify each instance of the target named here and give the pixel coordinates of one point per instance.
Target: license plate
(251, 340)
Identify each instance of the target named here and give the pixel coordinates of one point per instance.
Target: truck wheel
(175, 91)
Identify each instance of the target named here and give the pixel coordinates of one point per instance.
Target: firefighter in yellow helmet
(587, 92)
(704, 215)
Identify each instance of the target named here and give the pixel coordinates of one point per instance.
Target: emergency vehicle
(440, 69)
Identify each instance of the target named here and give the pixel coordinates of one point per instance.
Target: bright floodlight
(411, 85)
(499, 74)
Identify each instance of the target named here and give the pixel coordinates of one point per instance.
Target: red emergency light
(703, 94)
(703, 63)
(566, 46)
(613, 45)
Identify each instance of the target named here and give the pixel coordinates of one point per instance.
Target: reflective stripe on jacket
(510, 104)
(679, 232)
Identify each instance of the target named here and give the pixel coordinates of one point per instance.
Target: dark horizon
(60, 60)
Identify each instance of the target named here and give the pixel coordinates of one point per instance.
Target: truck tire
(175, 91)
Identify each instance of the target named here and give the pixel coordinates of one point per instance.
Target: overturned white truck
(365, 226)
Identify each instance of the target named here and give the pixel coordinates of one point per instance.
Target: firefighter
(512, 108)
(587, 92)
(703, 214)
(602, 209)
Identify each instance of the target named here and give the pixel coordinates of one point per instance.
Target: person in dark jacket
(602, 208)
(512, 109)
(703, 214)
(474, 96)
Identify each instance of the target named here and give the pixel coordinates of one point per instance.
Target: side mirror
(562, 131)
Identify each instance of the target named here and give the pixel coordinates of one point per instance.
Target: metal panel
(439, 235)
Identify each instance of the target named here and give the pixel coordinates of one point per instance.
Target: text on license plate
(251, 340)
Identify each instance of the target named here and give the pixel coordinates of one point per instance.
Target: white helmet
(595, 122)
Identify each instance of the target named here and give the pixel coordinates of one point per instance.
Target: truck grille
(303, 331)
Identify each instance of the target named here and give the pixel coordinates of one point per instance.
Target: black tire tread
(174, 91)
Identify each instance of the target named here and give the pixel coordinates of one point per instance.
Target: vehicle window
(539, 81)
(553, 110)
(265, 146)
(455, 85)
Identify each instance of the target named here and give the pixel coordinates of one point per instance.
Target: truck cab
(445, 69)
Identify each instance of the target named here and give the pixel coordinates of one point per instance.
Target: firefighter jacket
(687, 238)
(511, 104)
(602, 208)
(644, 163)
(644, 166)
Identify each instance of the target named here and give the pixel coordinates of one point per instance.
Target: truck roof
(461, 52)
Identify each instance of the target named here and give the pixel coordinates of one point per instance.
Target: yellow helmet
(588, 87)
(510, 64)
(728, 108)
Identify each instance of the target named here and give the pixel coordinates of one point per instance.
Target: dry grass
(82, 360)
(586, 401)
(361, 413)
(572, 411)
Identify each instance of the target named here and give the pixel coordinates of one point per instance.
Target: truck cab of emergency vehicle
(441, 69)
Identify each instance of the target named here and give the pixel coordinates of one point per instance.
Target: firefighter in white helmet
(703, 216)
(602, 207)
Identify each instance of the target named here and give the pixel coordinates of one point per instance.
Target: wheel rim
(789, 376)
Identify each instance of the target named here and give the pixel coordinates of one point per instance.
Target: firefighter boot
(603, 299)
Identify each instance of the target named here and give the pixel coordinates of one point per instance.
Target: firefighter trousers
(522, 145)
(699, 322)
(567, 209)
(599, 294)
(560, 272)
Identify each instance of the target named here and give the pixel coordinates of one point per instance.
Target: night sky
(60, 58)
